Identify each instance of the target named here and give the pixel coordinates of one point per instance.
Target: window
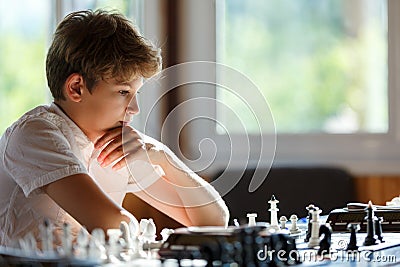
(26, 28)
(322, 65)
(329, 74)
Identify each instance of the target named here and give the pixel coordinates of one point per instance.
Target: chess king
(67, 162)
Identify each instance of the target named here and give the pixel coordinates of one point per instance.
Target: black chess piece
(370, 238)
(309, 208)
(326, 241)
(354, 228)
(378, 229)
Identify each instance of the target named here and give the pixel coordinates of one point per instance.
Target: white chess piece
(252, 219)
(148, 229)
(283, 221)
(82, 242)
(23, 246)
(99, 236)
(126, 235)
(97, 251)
(274, 213)
(137, 245)
(165, 233)
(133, 229)
(114, 248)
(66, 241)
(314, 239)
(28, 244)
(142, 225)
(46, 234)
(294, 229)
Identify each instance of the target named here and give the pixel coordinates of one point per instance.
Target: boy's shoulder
(39, 120)
(44, 113)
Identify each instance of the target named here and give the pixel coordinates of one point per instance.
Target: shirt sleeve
(38, 153)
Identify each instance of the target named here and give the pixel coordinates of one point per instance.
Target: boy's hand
(116, 148)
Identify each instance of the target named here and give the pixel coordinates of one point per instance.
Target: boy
(74, 161)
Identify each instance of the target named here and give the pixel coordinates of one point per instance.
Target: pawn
(96, 252)
(378, 229)
(282, 221)
(133, 229)
(67, 240)
(46, 234)
(252, 219)
(137, 248)
(99, 236)
(294, 229)
(354, 228)
(114, 246)
(370, 238)
(97, 242)
(325, 243)
(125, 235)
(28, 244)
(82, 242)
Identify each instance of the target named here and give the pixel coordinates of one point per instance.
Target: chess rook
(252, 219)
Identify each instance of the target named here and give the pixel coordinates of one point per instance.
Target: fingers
(119, 164)
(115, 148)
(107, 137)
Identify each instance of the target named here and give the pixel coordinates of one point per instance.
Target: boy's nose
(132, 108)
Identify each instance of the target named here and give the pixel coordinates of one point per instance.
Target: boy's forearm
(203, 204)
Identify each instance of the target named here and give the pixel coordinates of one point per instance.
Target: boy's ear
(74, 87)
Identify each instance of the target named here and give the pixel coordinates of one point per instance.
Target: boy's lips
(126, 122)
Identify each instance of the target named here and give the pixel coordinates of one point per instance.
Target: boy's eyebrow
(124, 83)
(127, 83)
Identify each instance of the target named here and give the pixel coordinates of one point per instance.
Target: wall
(377, 188)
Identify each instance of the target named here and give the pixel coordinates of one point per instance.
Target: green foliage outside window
(315, 62)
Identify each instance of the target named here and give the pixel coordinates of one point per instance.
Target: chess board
(260, 244)
(382, 254)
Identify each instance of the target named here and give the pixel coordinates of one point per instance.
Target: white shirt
(43, 146)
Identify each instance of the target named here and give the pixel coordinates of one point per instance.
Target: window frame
(360, 153)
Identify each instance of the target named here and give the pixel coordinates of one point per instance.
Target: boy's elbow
(222, 219)
(225, 217)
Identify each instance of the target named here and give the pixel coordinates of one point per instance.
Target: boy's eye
(123, 92)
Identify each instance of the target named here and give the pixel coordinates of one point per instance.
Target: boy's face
(110, 104)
